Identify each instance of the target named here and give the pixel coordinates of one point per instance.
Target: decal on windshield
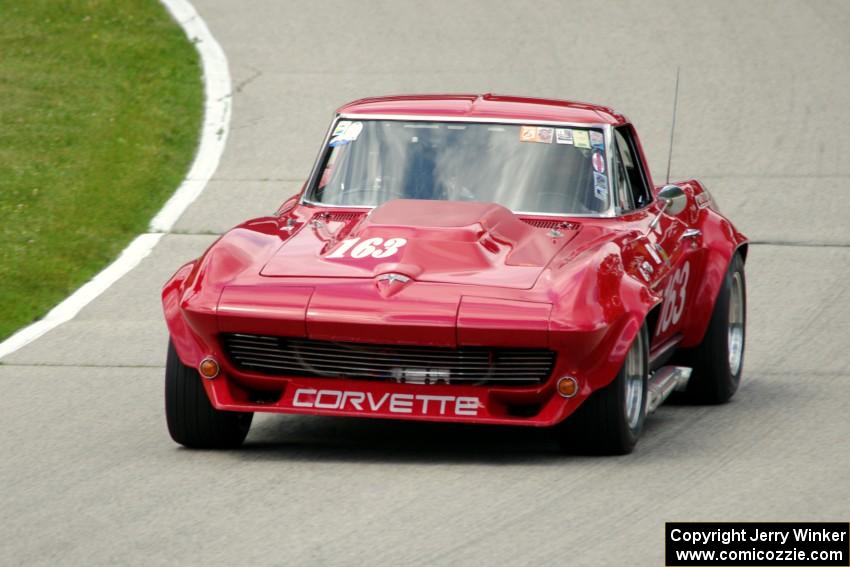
(345, 132)
(600, 186)
(535, 134)
(581, 139)
(340, 128)
(598, 162)
(597, 140)
(527, 134)
(564, 136)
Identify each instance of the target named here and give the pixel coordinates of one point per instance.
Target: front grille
(284, 356)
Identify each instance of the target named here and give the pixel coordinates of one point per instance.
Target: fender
(600, 315)
(187, 346)
(190, 298)
(721, 241)
(638, 301)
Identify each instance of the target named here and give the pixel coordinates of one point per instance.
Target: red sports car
(464, 258)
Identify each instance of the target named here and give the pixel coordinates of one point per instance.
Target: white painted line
(216, 114)
(213, 137)
(129, 259)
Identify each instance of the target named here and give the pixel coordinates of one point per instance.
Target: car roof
(484, 106)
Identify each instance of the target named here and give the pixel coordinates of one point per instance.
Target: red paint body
(479, 276)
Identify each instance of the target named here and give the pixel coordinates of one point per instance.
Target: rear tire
(192, 420)
(610, 421)
(718, 360)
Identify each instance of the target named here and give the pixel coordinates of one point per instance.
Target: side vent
(339, 216)
(550, 224)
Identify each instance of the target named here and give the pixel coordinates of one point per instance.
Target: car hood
(468, 243)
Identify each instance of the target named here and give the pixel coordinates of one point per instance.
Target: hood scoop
(458, 242)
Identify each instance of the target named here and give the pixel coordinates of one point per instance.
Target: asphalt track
(88, 474)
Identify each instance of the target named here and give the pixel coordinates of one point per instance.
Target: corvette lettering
(420, 404)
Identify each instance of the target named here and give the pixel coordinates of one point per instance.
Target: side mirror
(673, 201)
(673, 198)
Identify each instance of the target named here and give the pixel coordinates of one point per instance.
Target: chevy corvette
(465, 258)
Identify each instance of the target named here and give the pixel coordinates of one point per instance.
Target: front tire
(718, 360)
(192, 420)
(610, 421)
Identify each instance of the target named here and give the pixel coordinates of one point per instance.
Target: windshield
(524, 168)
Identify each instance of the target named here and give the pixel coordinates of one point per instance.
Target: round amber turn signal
(567, 386)
(208, 368)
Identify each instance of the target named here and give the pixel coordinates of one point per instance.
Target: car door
(660, 248)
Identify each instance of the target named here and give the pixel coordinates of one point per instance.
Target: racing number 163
(368, 248)
(675, 295)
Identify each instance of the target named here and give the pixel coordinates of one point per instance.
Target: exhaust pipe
(663, 382)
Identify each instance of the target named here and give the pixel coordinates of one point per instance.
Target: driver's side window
(621, 180)
(632, 190)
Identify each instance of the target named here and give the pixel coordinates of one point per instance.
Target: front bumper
(388, 400)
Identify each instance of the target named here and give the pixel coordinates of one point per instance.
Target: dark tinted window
(632, 191)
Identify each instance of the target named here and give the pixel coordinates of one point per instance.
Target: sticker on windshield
(527, 133)
(597, 140)
(598, 162)
(535, 134)
(580, 139)
(340, 128)
(600, 193)
(600, 186)
(349, 134)
(564, 136)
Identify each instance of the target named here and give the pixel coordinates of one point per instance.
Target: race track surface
(88, 474)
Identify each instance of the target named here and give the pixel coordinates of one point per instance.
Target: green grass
(100, 112)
